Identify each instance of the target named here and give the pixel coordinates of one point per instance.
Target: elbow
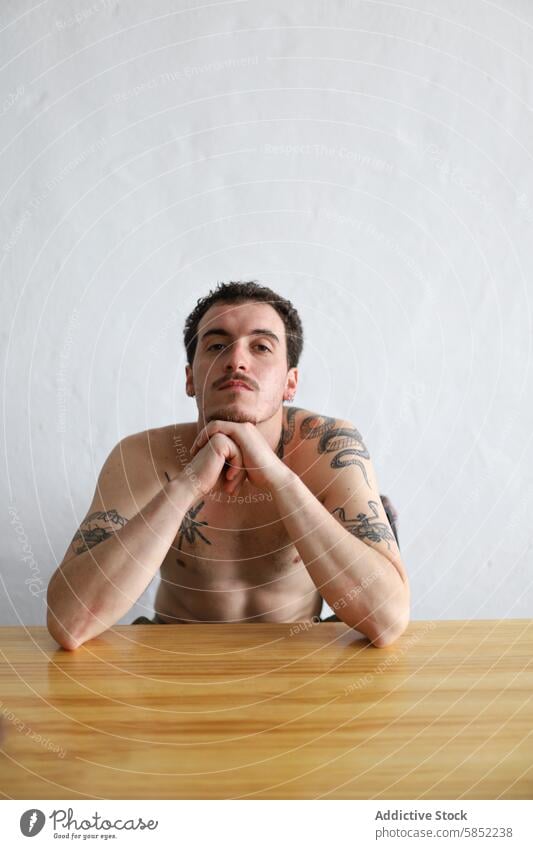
(386, 638)
(391, 618)
(66, 642)
(63, 636)
(382, 624)
(390, 628)
(65, 631)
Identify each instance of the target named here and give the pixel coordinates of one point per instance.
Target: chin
(231, 414)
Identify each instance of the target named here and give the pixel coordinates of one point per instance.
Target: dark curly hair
(233, 293)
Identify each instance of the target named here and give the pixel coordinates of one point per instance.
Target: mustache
(238, 377)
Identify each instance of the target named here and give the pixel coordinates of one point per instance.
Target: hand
(218, 462)
(259, 462)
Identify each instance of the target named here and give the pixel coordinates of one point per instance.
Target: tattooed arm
(342, 533)
(118, 548)
(116, 551)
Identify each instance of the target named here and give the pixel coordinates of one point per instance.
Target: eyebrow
(219, 331)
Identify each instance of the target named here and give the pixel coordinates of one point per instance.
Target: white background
(369, 160)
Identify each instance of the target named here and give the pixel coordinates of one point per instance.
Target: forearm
(90, 592)
(359, 583)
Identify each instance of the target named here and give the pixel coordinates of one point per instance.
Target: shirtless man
(256, 512)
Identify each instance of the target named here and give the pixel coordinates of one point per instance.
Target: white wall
(372, 162)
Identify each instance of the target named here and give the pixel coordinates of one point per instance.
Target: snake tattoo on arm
(345, 442)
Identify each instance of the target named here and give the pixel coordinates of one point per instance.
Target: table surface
(269, 711)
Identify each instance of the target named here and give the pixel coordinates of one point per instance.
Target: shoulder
(158, 440)
(308, 435)
(303, 426)
(148, 452)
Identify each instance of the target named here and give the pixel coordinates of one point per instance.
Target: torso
(232, 560)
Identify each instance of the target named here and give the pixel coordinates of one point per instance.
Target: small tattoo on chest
(190, 526)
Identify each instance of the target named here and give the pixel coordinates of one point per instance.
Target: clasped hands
(254, 459)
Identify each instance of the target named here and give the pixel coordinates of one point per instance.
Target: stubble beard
(226, 414)
(230, 413)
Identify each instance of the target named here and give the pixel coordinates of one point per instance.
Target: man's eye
(221, 345)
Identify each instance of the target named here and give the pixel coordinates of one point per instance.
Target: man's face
(245, 342)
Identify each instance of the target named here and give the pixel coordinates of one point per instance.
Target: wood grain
(269, 711)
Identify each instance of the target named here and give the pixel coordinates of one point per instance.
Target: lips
(236, 384)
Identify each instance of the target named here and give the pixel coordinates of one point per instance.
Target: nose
(236, 356)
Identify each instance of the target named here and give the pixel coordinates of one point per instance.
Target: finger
(196, 446)
(234, 466)
(233, 486)
(233, 454)
(203, 438)
(239, 479)
(213, 427)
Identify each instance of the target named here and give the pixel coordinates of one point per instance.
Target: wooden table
(269, 711)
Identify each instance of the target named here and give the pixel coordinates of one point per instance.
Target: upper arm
(113, 503)
(346, 484)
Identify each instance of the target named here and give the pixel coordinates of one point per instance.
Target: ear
(290, 384)
(189, 383)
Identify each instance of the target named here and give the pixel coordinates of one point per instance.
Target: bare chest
(235, 539)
